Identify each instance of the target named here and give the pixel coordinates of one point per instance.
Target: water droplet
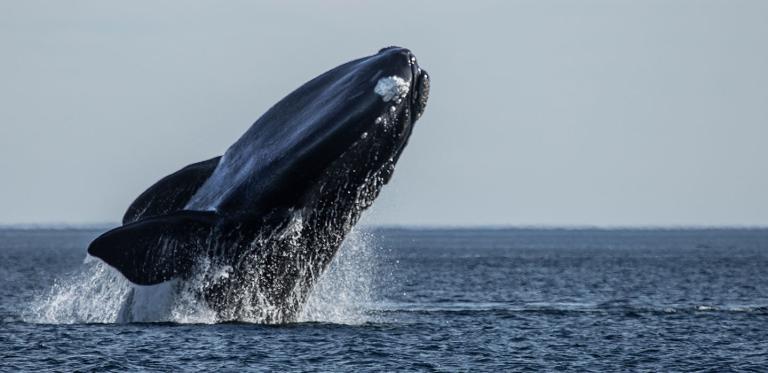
(364, 135)
(378, 120)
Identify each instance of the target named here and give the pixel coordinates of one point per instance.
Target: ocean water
(417, 300)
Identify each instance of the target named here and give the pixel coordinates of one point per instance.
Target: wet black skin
(276, 206)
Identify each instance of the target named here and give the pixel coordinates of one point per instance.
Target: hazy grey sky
(541, 112)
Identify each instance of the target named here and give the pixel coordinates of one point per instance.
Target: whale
(255, 227)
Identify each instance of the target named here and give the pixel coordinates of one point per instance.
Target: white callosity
(391, 87)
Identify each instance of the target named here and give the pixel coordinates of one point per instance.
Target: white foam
(93, 295)
(391, 87)
(344, 294)
(148, 303)
(97, 293)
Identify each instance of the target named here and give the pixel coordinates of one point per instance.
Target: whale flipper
(156, 249)
(172, 192)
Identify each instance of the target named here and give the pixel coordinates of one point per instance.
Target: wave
(562, 308)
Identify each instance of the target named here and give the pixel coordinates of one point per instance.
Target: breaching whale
(262, 221)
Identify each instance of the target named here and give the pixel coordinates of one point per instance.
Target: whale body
(261, 222)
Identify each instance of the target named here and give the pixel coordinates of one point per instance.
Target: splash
(345, 293)
(97, 293)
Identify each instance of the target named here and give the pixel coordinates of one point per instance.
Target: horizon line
(106, 226)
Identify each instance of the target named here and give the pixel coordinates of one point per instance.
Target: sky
(554, 113)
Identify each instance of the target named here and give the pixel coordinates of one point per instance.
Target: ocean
(417, 300)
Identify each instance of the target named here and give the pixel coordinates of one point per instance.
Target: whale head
(353, 119)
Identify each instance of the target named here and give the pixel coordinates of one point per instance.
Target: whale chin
(274, 208)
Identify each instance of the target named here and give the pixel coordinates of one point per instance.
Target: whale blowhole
(391, 87)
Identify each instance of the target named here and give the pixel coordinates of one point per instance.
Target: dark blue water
(445, 300)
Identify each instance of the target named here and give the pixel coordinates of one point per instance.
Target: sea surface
(418, 300)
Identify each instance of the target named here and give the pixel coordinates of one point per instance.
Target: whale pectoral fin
(172, 192)
(156, 249)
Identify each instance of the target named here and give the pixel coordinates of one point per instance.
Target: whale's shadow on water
(248, 235)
